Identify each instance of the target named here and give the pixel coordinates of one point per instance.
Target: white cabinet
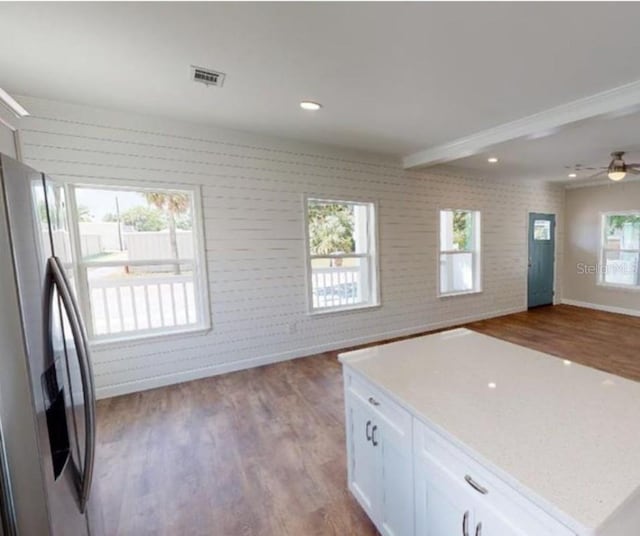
(395, 481)
(442, 506)
(445, 507)
(379, 451)
(362, 454)
(411, 480)
(491, 523)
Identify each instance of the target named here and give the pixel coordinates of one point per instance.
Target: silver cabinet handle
(479, 529)
(56, 278)
(367, 431)
(465, 524)
(373, 435)
(373, 401)
(475, 485)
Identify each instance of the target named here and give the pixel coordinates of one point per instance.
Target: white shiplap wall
(252, 189)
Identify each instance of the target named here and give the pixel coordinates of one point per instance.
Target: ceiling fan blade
(633, 171)
(601, 173)
(633, 165)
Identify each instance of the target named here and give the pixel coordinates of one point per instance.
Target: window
(459, 252)
(136, 259)
(542, 230)
(342, 257)
(620, 249)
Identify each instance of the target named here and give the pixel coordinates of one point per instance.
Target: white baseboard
(153, 382)
(607, 308)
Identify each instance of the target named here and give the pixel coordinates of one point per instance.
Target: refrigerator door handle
(55, 277)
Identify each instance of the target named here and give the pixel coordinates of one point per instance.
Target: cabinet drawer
(525, 515)
(395, 416)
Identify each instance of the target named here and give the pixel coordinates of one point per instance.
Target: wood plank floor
(601, 340)
(261, 452)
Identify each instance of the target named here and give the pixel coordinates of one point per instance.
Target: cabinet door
(396, 479)
(489, 522)
(443, 507)
(363, 466)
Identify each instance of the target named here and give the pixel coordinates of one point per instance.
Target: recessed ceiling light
(572, 175)
(492, 385)
(310, 105)
(492, 160)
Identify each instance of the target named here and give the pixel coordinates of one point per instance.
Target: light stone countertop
(567, 433)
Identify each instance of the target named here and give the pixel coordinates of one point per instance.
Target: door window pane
(542, 230)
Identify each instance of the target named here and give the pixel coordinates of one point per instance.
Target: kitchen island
(459, 433)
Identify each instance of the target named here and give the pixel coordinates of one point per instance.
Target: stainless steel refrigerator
(58, 365)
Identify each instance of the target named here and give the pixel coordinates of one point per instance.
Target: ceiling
(394, 78)
(586, 144)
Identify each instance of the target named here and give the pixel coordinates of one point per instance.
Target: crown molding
(614, 100)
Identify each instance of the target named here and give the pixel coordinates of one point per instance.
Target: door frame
(556, 298)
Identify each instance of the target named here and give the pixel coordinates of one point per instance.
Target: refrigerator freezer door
(24, 194)
(58, 295)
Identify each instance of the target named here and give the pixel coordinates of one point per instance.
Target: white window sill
(617, 286)
(346, 309)
(461, 293)
(150, 338)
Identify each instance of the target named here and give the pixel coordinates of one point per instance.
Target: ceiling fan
(618, 168)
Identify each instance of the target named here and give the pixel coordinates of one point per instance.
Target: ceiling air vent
(208, 77)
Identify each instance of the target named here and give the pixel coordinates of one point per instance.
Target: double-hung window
(137, 259)
(459, 252)
(620, 255)
(341, 254)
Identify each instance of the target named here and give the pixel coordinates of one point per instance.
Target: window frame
(476, 254)
(80, 266)
(372, 254)
(602, 253)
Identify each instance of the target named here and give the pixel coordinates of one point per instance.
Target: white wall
(584, 208)
(252, 190)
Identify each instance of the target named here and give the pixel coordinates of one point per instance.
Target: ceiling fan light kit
(618, 168)
(617, 175)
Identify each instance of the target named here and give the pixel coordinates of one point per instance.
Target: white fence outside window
(337, 286)
(134, 303)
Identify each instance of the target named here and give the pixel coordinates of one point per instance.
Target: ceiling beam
(622, 98)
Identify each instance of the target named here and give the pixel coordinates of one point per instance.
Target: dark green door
(542, 232)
